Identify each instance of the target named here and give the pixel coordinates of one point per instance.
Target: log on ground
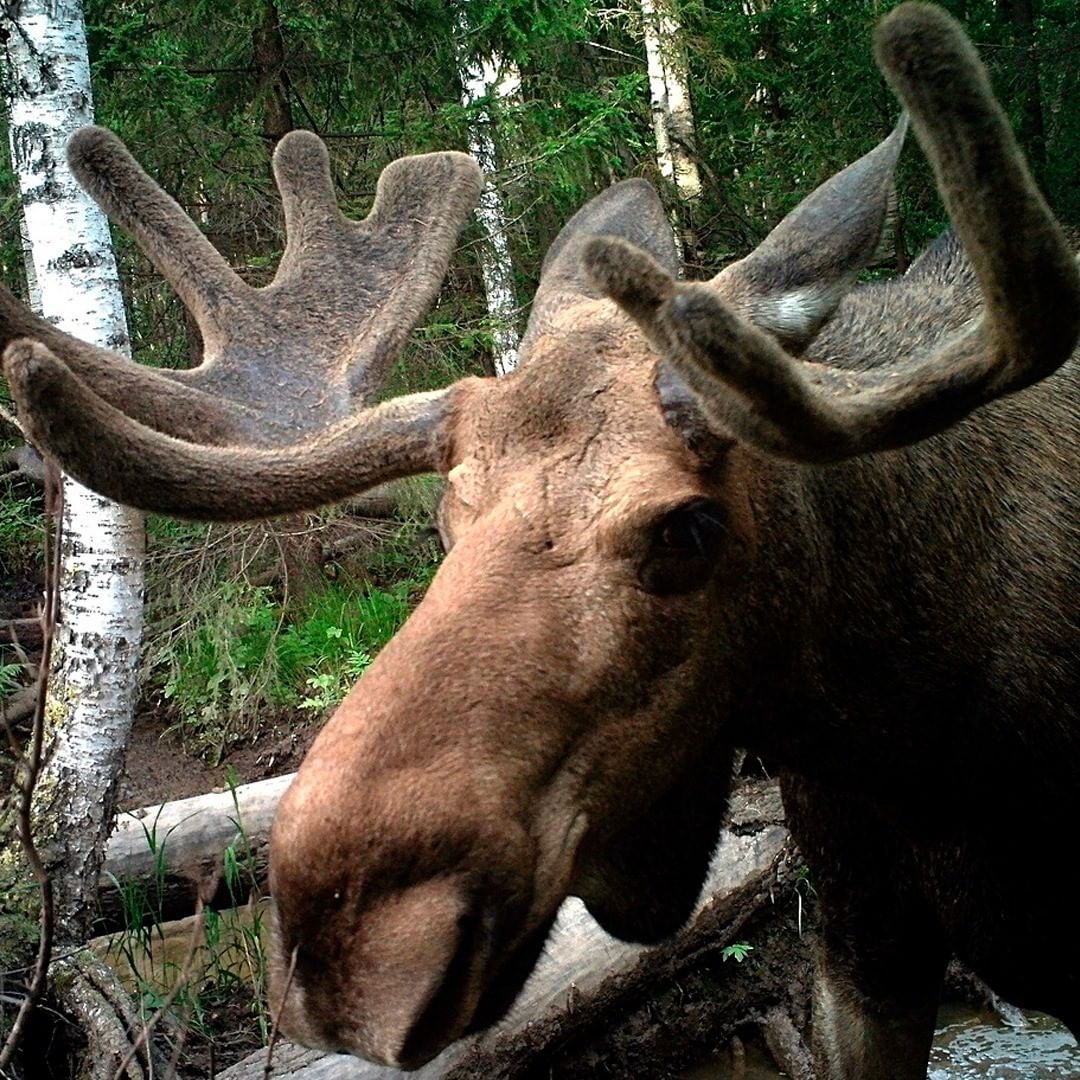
(163, 856)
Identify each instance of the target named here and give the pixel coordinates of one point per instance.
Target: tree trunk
(93, 678)
(268, 47)
(673, 118)
(484, 79)
(1020, 16)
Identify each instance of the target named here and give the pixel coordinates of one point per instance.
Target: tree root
(91, 994)
(786, 1045)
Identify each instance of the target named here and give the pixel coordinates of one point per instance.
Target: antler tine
(268, 422)
(807, 412)
(106, 450)
(421, 203)
(1031, 288)
(171, 402)
(182, 255)
(149, 396)
(302, 172)
(645, 291)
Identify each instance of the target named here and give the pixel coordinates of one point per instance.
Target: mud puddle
(969, 1045)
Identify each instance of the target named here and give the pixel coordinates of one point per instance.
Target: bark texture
(672, 115)
(481, 81)
(96, 651)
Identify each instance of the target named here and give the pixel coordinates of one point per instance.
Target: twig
(17, 708)
(268, 1066)
(54, 499)
(11, 420)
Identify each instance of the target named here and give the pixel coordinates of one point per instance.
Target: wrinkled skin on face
(489, 762)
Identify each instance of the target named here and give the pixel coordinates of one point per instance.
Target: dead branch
(25, 633)
(31, 767)
(90, 992)
(25, 461)
(787, 1046)
(9, 424)
(20, 705)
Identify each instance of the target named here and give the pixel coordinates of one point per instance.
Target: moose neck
(887, 580)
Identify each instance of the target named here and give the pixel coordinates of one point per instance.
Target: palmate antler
(278, 416)
(754, 389)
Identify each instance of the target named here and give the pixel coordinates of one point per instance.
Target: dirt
(160, 769)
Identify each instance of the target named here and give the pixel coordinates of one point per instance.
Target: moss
(18, 940)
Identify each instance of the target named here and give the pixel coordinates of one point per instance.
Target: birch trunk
(672, 116)
(93, 677)
(484, 79)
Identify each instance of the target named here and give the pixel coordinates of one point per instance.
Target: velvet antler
(277, 416)
(753, 388)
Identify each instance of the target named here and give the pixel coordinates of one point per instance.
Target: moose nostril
(450, 1009)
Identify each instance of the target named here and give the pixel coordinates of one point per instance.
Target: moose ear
(643, 884)
(791, 283)
(630, 210)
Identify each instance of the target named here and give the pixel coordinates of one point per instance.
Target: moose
(832, 522)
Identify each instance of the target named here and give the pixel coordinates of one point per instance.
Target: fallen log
(600, 1007)
(26, 633)
(160, 857)
(592, 1006)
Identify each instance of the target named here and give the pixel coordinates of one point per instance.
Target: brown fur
(649, 564)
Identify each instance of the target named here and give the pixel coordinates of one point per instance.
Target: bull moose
(834, 523)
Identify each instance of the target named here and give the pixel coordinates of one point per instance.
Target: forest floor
(160, 769)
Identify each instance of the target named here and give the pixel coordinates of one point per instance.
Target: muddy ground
(159, 769)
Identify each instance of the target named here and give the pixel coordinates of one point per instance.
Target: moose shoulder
(833, 523)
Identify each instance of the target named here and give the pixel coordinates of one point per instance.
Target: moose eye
(686, 542)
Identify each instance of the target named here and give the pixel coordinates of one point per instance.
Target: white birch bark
(486, 78)
(669, 99)
(93, 680)
(33, 292)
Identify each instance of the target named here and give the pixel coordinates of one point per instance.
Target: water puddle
(973, 1047)
(969, 1045)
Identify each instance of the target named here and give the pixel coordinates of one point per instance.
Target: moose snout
(402, 983)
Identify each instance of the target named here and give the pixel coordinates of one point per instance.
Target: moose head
(628, 576)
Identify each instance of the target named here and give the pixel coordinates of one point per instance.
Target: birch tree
(672, 115)
(95, 651)
(484, 79)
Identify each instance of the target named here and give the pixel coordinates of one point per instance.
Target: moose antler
(278, 415)
(1027, 274)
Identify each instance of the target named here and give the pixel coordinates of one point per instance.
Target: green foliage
(784, 94)
(336, 639)
(243, 660)
(737, 951)
(9, 677)
(229, 655)
(21, 533)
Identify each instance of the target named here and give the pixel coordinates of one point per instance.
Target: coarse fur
(833, 524)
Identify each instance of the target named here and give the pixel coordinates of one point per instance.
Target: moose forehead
(575, 431)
